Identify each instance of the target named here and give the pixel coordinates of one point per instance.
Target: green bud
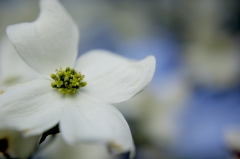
(60, 74)
(78, 75)
(68, 69)
(83, 84)
(66, 79)
(72, 71)
(53, 76)
(53, 85)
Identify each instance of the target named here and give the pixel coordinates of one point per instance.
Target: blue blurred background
(193, 101)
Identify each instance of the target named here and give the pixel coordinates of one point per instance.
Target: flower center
(67, 81)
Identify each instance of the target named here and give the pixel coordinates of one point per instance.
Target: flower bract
(50, 42)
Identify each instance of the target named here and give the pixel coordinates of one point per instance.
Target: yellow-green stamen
(67, 81)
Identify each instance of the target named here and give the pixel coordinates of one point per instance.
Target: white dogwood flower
(78, 101)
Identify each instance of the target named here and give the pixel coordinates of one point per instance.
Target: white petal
(31, 107)
(13, 69)
(113, 78)
(49, 42)
(89, 120)
(59, 149)
(18, 146)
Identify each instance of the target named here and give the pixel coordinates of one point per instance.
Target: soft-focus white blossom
(156, 108)
(212, 55)
(32, 107)
(12, 71)
(58, 149)
(216, 67)
(232, 139)
(14, 145)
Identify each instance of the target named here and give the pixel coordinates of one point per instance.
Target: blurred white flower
(51, 42)
(156, 108)
(232, 139)
(14, 145)
(58, 149)
(216, 67)
(212, 55)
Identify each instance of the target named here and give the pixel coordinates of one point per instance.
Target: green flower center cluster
(67, 81)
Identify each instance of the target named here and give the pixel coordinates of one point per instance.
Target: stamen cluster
(67, 81)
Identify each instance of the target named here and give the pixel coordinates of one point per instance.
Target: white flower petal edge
(31, 107)
(113, 78)
(89, 120)
(49, 42)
